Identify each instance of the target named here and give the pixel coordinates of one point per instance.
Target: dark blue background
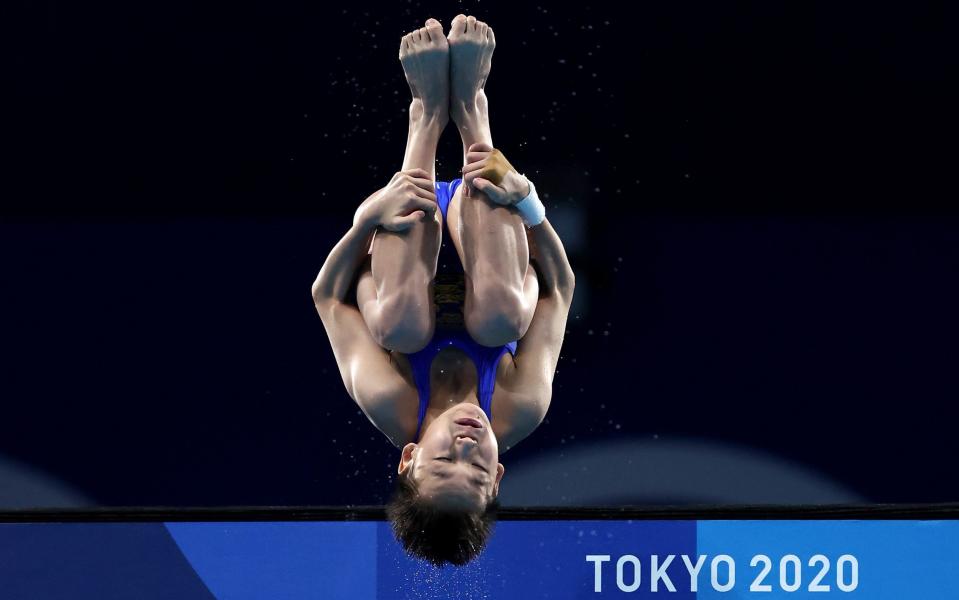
(752, 196)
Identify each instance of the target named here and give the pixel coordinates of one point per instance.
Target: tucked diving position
(446, 303)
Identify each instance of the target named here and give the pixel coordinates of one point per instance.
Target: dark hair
(436, 535)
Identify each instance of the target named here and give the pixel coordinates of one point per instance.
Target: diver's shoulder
(393, 407)
(516, 414)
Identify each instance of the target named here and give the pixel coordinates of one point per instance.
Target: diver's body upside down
(515, 288)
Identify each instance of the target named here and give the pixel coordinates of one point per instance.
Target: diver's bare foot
(471, 45)
(425, 56)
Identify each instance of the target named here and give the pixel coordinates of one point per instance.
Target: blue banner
(524, 559)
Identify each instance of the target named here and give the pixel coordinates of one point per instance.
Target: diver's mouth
(468, 422)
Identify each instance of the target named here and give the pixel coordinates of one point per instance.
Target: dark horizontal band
(378, 513)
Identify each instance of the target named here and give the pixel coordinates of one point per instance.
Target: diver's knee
(497, 315)
(403, 323)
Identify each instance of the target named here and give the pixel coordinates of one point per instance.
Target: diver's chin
(469, 411)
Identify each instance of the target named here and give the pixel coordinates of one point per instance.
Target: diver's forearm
(338, 272)
(546, 250)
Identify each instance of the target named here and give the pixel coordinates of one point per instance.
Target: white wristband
(530, 207)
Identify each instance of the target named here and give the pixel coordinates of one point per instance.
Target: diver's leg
(471, 44)
(501, 286)
(394, 289)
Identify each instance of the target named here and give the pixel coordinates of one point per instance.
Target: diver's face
(456, 463)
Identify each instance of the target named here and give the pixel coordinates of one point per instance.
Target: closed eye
(448, 459)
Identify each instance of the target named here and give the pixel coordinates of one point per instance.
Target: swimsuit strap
(487, 374)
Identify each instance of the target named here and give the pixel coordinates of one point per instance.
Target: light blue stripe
(898, 560)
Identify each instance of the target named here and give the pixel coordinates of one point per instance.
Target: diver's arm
(407, 198)
(490, 172)
(370, 375)
(356, 353)
(547, 253)
(529, 379)
(367, 370)
(537, 352)
(339, 270)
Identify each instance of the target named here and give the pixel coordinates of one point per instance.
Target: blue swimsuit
(449, 292)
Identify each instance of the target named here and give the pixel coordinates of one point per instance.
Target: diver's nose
(466, 442)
